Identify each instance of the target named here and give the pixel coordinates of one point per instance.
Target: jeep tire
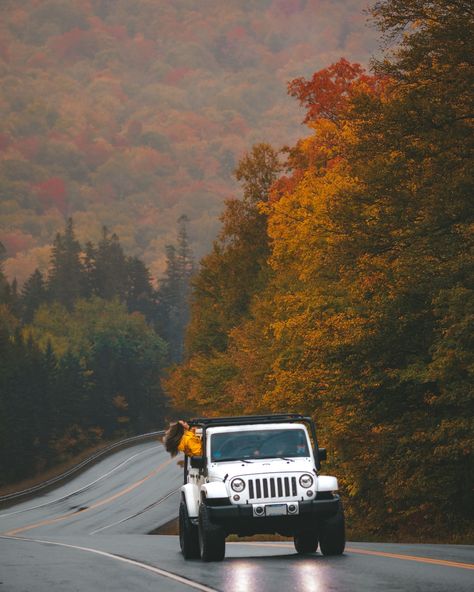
(188, 534)
(306, 542)
(211, 537)
(332, 534)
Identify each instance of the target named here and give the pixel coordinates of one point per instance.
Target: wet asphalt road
(90, 534)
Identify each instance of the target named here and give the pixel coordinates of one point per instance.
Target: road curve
(91, 534)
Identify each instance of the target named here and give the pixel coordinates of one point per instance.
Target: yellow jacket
(190, 444)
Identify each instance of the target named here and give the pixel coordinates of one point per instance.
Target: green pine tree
(66, 281)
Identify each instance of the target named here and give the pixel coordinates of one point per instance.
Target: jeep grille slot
(251, 495)
(272, 487)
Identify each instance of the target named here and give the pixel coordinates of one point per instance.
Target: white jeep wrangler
(258, 475)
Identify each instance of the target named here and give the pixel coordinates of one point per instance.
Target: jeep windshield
(257, 444)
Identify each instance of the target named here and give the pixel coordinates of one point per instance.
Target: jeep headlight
(238, 485)
(306, 481)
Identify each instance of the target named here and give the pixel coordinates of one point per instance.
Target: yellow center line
(442, 562)
(93, 506)
(413, 558)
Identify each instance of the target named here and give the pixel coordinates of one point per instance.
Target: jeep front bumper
(241, 519)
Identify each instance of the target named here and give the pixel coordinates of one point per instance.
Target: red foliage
(134, 129)
(28, 147)
(57, 135)
(40, 59)
(118, 32)
(105, 193)
(236, 34)
(176, 75)
(4, 53)
(120, 141)
(288, 7)
(75, 44)
(285, 185)
(52, 193)
(97, 154)
(5, 141)
(17, 241)
(95, 150)
(329, 91)
(145, 48)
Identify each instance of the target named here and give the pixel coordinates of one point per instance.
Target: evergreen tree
(140, 296)
(8, 292)
(174, 292)
(12, 298)
(66, 281)
(89, 261)
(71, 396)
(80, 370)
(109, 274)
(33, 294)
(3, 279)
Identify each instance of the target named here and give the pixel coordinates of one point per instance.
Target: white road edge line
(156, 570)
(136, 513)
(81, 489)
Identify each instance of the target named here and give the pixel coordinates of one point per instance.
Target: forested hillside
(82, 350)
(342, 283)
(130, 113)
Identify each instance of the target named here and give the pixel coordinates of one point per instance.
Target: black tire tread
(211, 537)
(188, 534)
(332, 534)
(306, 542)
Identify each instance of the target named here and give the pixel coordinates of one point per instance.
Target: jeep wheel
(211, 537)
(306, 542)
(332, 534)
(188, 534)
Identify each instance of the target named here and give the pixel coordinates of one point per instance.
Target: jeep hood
(218, 471)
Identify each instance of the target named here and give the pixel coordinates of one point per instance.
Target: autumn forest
(341, 281)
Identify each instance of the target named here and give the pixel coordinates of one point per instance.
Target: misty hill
(129, 113)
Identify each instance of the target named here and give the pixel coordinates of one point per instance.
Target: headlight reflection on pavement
(309, 577)
(247, 576)
(242, 576)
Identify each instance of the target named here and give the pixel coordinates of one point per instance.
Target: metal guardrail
(76, 468)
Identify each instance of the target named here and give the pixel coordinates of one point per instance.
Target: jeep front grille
(272, 487)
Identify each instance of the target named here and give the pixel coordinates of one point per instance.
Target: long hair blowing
(173, 437)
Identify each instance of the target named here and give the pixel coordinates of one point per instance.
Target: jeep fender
(190, 493)
(214, 489)
(326, 483)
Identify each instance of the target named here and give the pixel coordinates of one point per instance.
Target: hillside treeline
(82, 350)
(342, 282)
(128, 113)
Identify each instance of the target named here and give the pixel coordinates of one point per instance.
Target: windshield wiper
(273, 457)
(232, 460)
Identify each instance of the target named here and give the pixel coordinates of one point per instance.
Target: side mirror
(198, 462)
(322, 454)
